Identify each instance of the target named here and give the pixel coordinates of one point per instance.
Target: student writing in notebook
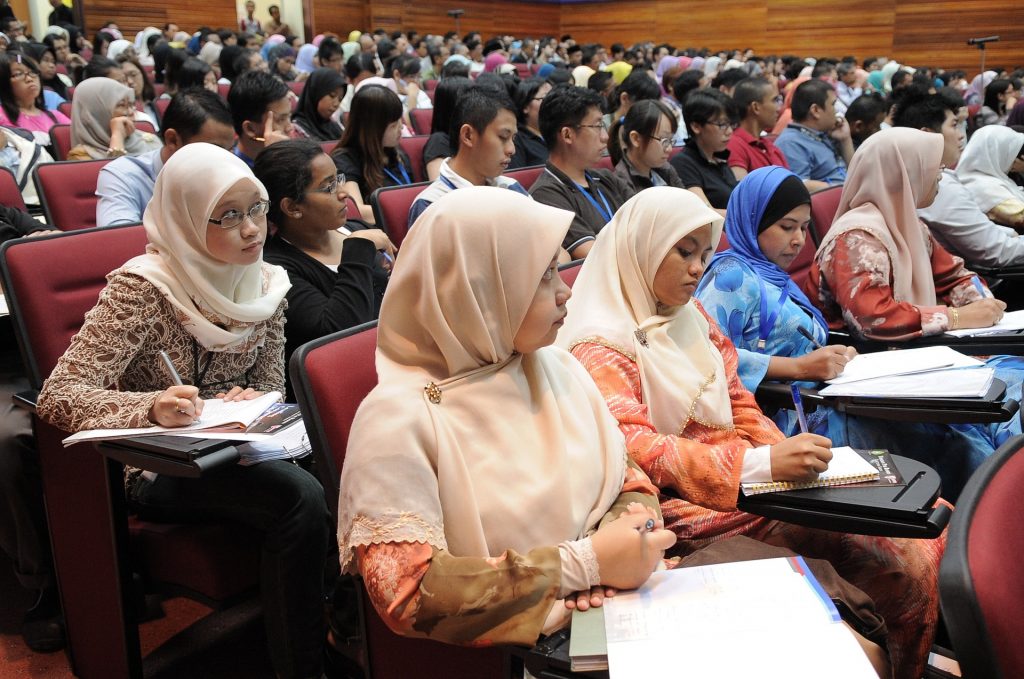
(669, 376)
(504, 492)
(203, 294)
(881, 274)
(779, 334)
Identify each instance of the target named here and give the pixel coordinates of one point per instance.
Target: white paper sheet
(957, 383)
(1011, 321)
(903, 362)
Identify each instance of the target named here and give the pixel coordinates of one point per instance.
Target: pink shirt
(37, 123)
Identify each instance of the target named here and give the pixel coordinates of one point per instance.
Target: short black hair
(99, 66)
(566, 106)
(822, 68)
(703, 106)
(729, 77)
(360, 63)
(445, 96)
(405, 64)
(477, 107)
(688, 81)
(251, 94)
(952, 98)
(808, 94)
(869, 106)
(190, 109)
(748, 91)
(917, 111)
(192, 73)
(285, 169)
(328, 48)
(525, 92)
(638, 86)
(455, 69)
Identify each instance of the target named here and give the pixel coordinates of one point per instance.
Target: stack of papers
(957, 383)
(762, 619)
(288, 444)
(1010, 322)
(903, 362)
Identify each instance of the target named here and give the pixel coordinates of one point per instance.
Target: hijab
(876, 79)
(91, 111)
(888, 71)
(697, 64)
(494, 61)
(711, 66)
(210, 54)
(276, 54)
(116, 47)
(888, 179)
(984, 165)
(762, 198)
(319, 85)
(487, 449)
(304, 60)
(269, 44)
(682, 374)
(216, 303)
(141, 40)
(976, 91)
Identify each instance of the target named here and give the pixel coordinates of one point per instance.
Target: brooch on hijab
(641, 337)
(433, 393)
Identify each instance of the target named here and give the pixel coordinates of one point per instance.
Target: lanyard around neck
(606, 210)
(767, 321)
(405, 175)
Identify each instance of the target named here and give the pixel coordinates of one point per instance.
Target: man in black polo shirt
(572, 124)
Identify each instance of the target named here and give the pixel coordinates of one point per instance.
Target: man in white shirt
(846, 89)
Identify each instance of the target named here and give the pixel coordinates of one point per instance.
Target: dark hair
(822, 68)
(477, 107)
(688, 81)
(373, 109)
(643, 118)
(190, 109)
(928, 111)
(358, 64)
(251, 94)
(952, 98)
(175, 59)
(872, 105)
(405, 64)
(384, 49)
(225, 34)
(445, 96)
(808, 94)
(748, 91)
(703, 106)
(285, 169)
(102, 38)
(897, 79)
(794, 69)
(192, 73)
(729, 78)
(227, 61)
(599, 81)
(148, 93)
(869, 62)
(99, 67)
(454, 69)
(241, 63)
(566, 106)
(321, 83)
(7, 100)
(845, 68)
(37, 51)
(637, 86)
(328, 48)
(560, 76)
(498, 83)
(992, 92)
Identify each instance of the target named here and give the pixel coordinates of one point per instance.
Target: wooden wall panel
(132, 16)
(490, 17)
(338, 16)
(924, 28)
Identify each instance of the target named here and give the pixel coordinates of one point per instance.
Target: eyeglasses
(25, 75)
(597, 126)
(779, 100)
(723, 125)
(233, 218)
(332, 186)
(666, 142)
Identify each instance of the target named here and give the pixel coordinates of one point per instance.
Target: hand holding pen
(801, 457)
(825, 362)
(178, 405)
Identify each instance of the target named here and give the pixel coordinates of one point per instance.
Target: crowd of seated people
(260, 148)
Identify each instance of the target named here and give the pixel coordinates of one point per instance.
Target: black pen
(807, 333)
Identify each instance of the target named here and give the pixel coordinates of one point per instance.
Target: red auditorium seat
(413, 147)
(67, 192)
(526, 176)
(421, 119)
(391, 209)
(10, 194)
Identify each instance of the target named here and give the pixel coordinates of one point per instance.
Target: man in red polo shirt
(758, 101)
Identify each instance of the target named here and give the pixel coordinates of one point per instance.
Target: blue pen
(979, 287)
(798, 403)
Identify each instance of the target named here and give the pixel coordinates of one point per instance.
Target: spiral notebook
(846, 466)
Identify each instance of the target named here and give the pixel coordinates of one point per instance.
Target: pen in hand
(807, 333)
(172, 372)
(798, 403)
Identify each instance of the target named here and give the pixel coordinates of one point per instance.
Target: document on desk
(956, 383)
(762, 619)
(4, 311)
(903, 362)
(253, 420)
(1011, 321)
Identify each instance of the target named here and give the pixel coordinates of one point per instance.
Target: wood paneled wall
(931, 32)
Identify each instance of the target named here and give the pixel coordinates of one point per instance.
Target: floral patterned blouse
(851, 282)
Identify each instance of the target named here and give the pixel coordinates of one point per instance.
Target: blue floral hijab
(747, 205)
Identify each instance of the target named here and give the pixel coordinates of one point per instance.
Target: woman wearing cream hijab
(668, 375)
(993, 152)
(203, 294)
(102, 123)
(484, 458)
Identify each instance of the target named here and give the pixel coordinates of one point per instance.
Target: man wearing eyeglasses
(572, 124)
(817, 143)
(758, 102)
(125, 185)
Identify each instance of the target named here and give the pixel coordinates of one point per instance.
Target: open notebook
(235, 421)
(847, 466)
(903, 362)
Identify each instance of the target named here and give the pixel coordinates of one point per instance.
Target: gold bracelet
(954, 322)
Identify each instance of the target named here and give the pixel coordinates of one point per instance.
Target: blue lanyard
(448, 182)
(767, 320)
(405, 175)
(607, 211)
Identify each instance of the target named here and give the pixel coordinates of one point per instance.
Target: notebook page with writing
(846, 466)
(903, 362)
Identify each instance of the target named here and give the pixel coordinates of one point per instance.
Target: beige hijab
(91, 109)
(987, 159)
(681, 373)
(464, 444)
(217, 303)
(891, 175)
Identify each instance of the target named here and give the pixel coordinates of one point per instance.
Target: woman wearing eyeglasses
(338, 268)
(703, 164)
(21, 98)
(103, 122)
(203, 294)
(640, 144)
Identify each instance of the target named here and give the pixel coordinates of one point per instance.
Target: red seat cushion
(391, 209)
(67, 191)
(413, 147)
